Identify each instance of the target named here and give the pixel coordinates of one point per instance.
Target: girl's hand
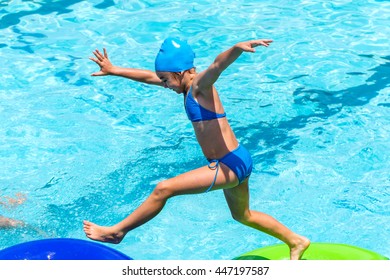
(104, 63)
(249, 46)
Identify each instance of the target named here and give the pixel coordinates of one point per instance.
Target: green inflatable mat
(316, 251)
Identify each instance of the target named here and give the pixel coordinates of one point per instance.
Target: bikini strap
(213, 167)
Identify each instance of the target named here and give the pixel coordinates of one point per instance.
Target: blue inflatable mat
(61, 249)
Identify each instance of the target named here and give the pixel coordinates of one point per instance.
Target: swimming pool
(313, 109)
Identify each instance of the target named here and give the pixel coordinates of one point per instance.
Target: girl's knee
(242, 217)
(163, 190)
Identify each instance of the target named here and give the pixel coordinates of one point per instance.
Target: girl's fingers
(94, 60)
(98, 54)
(264, 43)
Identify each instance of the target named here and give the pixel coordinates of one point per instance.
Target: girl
(230, 164)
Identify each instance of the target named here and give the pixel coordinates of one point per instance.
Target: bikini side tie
(213, 167)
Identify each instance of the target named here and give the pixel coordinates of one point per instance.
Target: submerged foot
(103, 234)
(300, 246)
(10, 223)
(17, 223)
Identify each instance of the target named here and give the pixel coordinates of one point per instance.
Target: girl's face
(171, 81)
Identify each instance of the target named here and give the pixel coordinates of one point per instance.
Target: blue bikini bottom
(239, 161)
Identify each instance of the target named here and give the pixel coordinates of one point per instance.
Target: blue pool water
(313, 109)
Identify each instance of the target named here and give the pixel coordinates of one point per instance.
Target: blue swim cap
(175, 55)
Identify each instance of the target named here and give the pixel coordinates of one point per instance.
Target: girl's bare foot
(103, 234)
(297, 250)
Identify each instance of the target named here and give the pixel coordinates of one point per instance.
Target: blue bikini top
(197, 113)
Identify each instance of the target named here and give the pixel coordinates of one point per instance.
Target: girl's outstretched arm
(208, 77)
(107, 68)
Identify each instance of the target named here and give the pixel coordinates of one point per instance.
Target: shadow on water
(47, 7)
(22, 39)
(327, 104)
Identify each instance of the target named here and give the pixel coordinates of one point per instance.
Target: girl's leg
(193, 182)
(238, 202)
